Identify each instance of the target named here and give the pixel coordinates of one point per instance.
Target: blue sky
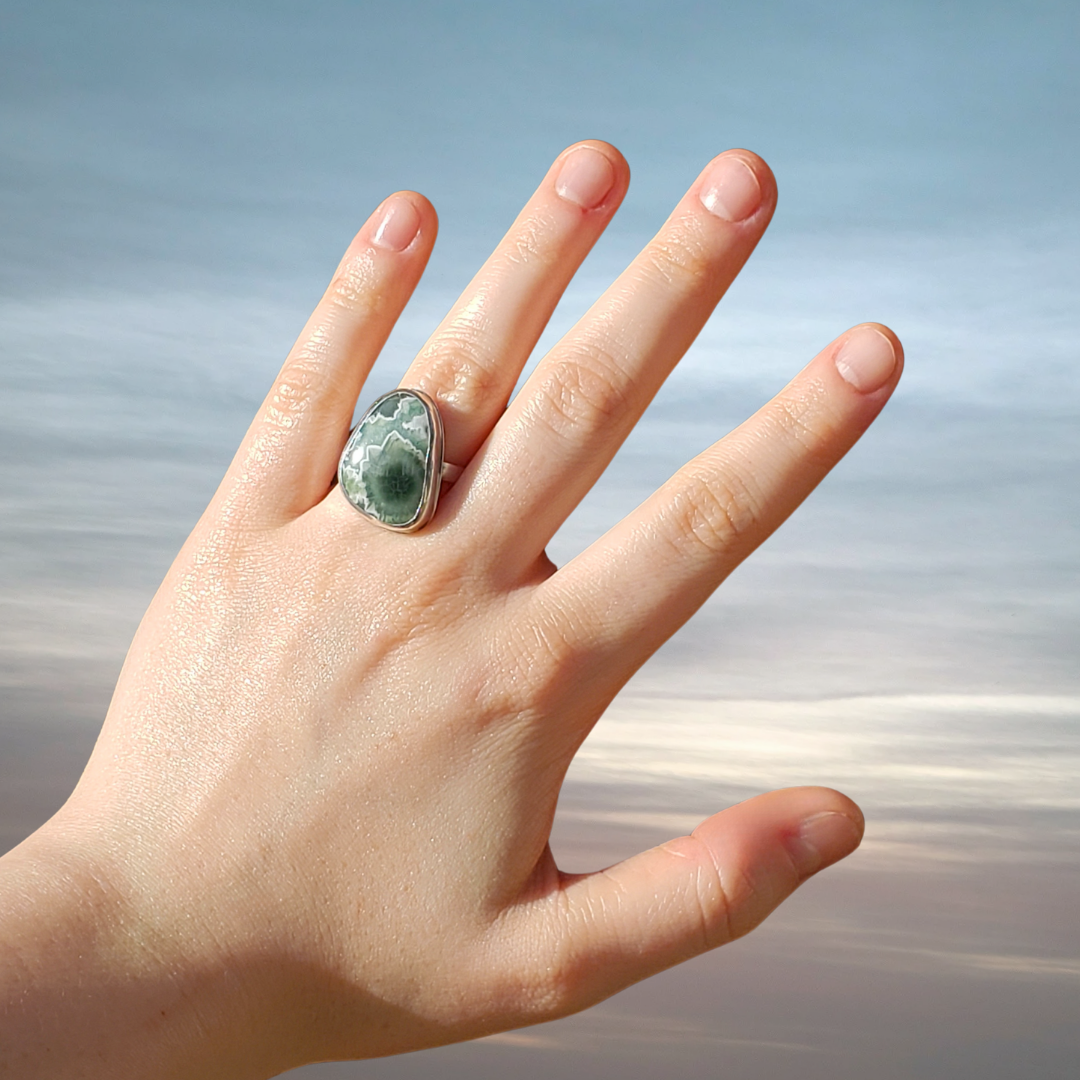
(180, 129)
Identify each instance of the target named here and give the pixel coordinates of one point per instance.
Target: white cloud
(932, 751)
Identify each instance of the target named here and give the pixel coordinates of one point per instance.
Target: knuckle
(551, 984)
(585, 394)
(552, 994)
(351, 288)
(708, 896)
(458, 373)
(751, 895)
(531, 242)
(297, 386)
(680, 259)
(545, 656)
(432, 601)
(715, 512)
(803, 419)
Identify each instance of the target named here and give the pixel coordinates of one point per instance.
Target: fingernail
(866, 359)
(823, 839)
(399, 226)
(730, 189)
(585, 178)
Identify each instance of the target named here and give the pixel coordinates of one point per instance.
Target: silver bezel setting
(433, 466)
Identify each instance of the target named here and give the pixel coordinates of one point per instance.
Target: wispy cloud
(910, 750)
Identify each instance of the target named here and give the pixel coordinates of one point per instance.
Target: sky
(177, 183)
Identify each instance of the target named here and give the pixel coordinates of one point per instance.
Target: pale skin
(315, 825)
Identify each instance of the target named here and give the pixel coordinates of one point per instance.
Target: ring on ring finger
(392, 467)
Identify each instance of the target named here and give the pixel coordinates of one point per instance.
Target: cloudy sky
(177, 182)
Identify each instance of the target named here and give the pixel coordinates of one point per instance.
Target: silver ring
(392, 467)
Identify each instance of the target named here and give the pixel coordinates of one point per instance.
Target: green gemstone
(387, 465)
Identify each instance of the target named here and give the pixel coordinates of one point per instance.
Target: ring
(392, 467)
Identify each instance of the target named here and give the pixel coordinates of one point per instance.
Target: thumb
(694, 893)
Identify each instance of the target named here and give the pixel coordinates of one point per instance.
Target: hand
(315, 824)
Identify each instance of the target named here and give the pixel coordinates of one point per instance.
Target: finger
(588, 392)
(601, 932)
(473, 360)
(634, 587)
(289, 456)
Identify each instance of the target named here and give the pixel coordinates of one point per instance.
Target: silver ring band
(451, 473)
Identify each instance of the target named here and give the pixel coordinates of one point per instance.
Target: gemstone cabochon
(386, 467)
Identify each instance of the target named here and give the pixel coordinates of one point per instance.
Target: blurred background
(177, 183)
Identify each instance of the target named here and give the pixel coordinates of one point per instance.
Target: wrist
(94, 984)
